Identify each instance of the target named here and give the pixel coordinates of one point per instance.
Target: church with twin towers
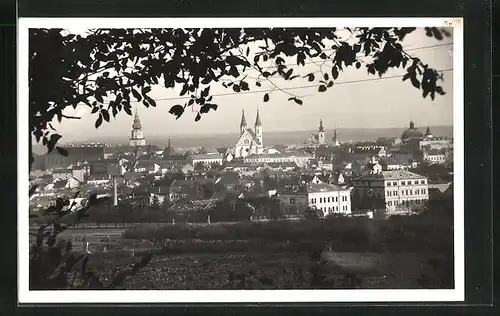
(250, 141)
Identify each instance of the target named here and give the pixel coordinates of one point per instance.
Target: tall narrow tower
(258, 128)
(321, 133)
(137, 136)
(243, 124)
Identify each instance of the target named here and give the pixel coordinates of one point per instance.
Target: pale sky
(370, 104)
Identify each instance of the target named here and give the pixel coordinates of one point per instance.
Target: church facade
(250, 141)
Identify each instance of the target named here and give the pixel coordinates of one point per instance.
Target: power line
(291, 88)
(362, 55)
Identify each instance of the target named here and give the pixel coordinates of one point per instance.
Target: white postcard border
(236, 296)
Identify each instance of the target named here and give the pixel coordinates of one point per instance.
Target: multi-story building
(205, 159)
(301, 159)
(397, 191)
(328, 198)
(434, 156)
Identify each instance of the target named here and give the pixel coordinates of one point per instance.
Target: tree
(155, 202)
(109, 69)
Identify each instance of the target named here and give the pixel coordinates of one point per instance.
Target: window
(292, 200)
(422, 181)
(394, 183)
(312, 201)
(403, 182)
(411, 192)
(336, 199)
(328, 199)
(389, 203)
(388, 184)
(423, 191)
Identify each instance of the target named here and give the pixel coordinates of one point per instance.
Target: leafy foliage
(109, 69)
(54, 264)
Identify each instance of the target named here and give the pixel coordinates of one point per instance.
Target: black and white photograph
(240, 160)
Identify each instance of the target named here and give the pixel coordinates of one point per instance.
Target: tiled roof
(174, 157)
(323, 187)
(283, 155)
(62, 171)
(254, 137)
(391, 175)
(396, 160)
(206, 156)
(442, 187)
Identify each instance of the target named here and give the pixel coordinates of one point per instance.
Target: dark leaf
(326, 77)
(406, 76)
(98, 122)
(177, 110)
(258, 84)
(358, 65)
(266, 97)
(105, 114)
(136, 95)
(440, 91)
(335, 73)
(415, 82)
(322, 88)
(146, 90)
(62, 151)
(197, 118)
(330, 84)
(298, 101)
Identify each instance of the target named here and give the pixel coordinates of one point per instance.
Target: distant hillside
(270, 138)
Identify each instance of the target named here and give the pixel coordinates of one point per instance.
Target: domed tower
(258, 128)
(137, 136)
(411, 132)
(321, 133)
(243, 124)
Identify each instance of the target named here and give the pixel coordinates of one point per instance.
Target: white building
(434, 156)
(206, 159)
(397, 191)
(328, 198)
(301, 159)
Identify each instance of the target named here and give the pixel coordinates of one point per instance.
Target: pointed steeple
(321, 129)
(243, 124)
(243, 120)
(137, 122)
(257, 119)
(428, 131)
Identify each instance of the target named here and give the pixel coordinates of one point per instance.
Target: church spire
(257, 119)
(243, 124)
(321, 129)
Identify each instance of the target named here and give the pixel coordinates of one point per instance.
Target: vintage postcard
(240, 160)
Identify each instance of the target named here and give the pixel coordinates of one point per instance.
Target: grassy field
(404, 253)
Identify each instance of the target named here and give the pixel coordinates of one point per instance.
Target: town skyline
(384, 102)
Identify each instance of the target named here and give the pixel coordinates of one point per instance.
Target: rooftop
(391, 175)
(323, 187)
(206, 156)
(281, 155)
